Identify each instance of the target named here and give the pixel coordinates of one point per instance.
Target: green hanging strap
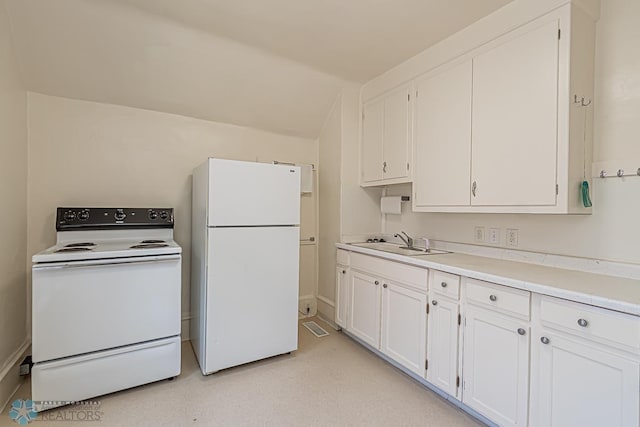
(584, 189)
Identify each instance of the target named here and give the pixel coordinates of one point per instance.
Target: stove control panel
(110, 218)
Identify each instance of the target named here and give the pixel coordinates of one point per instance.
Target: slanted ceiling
(274, 64)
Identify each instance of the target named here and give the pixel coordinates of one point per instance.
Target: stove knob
(120, 215)
(69, 216)
(164, 215)
(84, 215)
(153, 214)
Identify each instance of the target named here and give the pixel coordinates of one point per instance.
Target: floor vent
(315, 329)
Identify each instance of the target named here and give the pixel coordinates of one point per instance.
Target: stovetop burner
(75, 245)
(73, 249)
(149, 245)
(153, 241)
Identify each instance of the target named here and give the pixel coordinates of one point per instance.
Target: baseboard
(10, 379)
(329, 322)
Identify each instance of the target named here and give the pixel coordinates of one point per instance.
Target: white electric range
(105, 304)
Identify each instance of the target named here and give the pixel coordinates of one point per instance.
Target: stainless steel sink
(400, 250)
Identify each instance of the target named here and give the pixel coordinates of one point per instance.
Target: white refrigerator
(244, 262)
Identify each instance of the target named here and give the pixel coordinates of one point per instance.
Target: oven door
(85, 306)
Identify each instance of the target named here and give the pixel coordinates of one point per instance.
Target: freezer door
(252, 295)
(246, 193)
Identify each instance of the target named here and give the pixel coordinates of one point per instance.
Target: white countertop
(615, 293)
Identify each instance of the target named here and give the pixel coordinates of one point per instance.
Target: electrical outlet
(512, 237)
(494, 236)
(478, 234)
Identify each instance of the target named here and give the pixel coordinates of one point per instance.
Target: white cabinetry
(442, 137)
(585, 366)
(515, 120)
(496, 129)
(364, 309)
(342, 288)
(517, 358)
(386, 138)
(404, 326)
(496, 352)
(443, 332)
(387, 309)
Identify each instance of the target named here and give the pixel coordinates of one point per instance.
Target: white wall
(13, 227)
(108, 51)
(346, 209)
(89, 154)
(611, 232)
(329, 145)
(360, 207)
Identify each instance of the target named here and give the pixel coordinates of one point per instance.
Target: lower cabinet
(404, 326)
(585, 369)
(579, 384)
(496, 366)
(443, 332)
(364, 307)
(342, 295)
(516, 358)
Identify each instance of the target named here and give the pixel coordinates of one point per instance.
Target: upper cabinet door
(515, 121)
(372, 135)
(442, 138)
(386, 136)
(396, 134)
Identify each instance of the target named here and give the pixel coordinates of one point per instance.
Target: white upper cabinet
(495, 128)
(386, 138)
(372, 140)
(442, 136)
(515, 121)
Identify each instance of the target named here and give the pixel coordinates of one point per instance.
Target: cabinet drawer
(396, 271)
(510, 301)
(590, 322)
(445, 284)
(343, 257)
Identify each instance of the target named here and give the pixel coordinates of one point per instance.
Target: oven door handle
(104, 262)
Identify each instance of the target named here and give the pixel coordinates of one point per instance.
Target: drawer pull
(544, 340)
(493, 298)
(521, 331)
(376, 283)
(344, 271)
(384, 285)
(434, 302)
(443, 284)
(583, 322)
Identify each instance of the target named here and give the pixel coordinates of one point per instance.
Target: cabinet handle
(544, 340)
(434, 302)
(376, 283)
(344, 271)
(473, 188)
(583, 322)
(443, 284)
(384, 167)
(384, 285)
(493, 298)
(521, 331)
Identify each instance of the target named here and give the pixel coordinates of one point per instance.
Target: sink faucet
(408, 240)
